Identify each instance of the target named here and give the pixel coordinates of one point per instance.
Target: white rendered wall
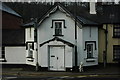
(45, 32)
(44, 54)
(90, 36)
(15, 55)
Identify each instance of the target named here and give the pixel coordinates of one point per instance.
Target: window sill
(30, 57)
(116, 37)
(90, 60)
(58, 35)
(30, 60)
(3, 60)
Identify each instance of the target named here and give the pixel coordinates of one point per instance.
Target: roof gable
(56, 7)
(58, 39)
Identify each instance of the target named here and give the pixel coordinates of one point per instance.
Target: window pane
(89, 50)
(30, 50)
(3, 52)
(116, 32)
(116, 52)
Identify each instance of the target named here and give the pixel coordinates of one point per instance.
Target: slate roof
(8, 10)
(106, 14)
(29, 24)
(86, 21)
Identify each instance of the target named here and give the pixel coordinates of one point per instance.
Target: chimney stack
(92, 7)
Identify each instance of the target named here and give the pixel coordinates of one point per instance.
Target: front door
(57, 58)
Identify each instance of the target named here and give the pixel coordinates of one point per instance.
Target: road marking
(81, 76)
(64, 77)
(10, 77)
(93, 75)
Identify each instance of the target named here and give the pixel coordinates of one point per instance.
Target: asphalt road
(61, 78)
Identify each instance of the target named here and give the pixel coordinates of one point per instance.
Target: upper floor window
(116, 52)
(116, 31)
(58, 26)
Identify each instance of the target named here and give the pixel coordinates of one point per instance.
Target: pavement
(95, 71)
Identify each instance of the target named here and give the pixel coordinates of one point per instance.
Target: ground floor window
(30, 50)
(2, 55)
(116, 52)
(89, 50)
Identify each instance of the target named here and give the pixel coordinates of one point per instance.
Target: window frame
(117, 26)
(92, 50)
(30, 49)
(116, 54)
(63, 26)
(2, 59)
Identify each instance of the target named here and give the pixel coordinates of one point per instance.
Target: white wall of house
(45, 32)
(90, 34)
(43, 56)
(15, 55)
(79, 44)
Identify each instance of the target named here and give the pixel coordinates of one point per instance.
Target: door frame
(49, 55)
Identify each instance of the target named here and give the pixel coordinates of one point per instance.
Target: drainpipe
(35, 26)
(76, 67)
(106, 43)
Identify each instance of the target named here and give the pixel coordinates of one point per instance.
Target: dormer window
(58, 26)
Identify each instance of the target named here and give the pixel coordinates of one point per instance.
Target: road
(60, 78)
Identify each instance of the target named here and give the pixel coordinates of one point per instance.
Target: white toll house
(50, 41)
